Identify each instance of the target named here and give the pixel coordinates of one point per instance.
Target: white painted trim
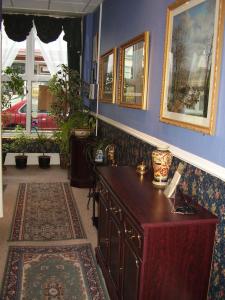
(32, 158)
(98, 64)
(1, 185)
(197, 161)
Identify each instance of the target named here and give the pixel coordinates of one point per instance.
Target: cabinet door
(114, 253)
(131, 273)
(103, 229)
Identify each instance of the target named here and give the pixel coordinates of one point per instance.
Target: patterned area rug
(52, 273)
(46, 211)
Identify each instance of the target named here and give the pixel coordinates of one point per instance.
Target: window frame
(29, 77)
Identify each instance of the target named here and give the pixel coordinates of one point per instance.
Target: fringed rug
(46, 212)
(53, 273)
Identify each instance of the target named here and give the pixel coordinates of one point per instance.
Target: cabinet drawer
(133, 236)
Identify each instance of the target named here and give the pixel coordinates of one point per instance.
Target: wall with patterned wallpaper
(207, 190)
(121, 21)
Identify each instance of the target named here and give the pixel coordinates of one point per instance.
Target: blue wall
(123, 20)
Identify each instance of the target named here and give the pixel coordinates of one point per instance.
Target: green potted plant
(62, 136)
(20, 145)
(70, 113)
(65, 86)
(43, 160)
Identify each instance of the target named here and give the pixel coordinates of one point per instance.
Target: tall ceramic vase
(161, 162)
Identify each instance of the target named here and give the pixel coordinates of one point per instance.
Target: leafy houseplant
(68, 108)
(20, 145)
(78, 120)
(14, 85)
(65, 85)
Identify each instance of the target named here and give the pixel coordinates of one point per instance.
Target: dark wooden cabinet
(80, 168)
(145, 251)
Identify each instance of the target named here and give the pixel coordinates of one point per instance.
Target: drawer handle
(115, 210)
(137, 263)
(139, 241)
(102, 192)
(128, 231)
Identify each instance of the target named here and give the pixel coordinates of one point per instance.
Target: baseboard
(32, 158)
(199, 162)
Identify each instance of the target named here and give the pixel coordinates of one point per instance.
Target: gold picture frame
(133, 74)
(107, 78)
(192, 59)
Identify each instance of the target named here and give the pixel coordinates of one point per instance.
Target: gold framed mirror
(107, 82)
(133, 77)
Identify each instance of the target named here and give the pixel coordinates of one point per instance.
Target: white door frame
(1, 185)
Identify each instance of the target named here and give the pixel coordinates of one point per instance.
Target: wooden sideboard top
(147, 204)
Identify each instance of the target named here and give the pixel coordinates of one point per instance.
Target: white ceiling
(51, 7)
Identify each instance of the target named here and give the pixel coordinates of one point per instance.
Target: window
(36, 62)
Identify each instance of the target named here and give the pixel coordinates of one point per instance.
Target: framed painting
(107, 78)
(133, 75)
(192, 59)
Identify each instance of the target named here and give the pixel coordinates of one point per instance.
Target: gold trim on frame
(215, 76)
(145, 38)
(102, 98)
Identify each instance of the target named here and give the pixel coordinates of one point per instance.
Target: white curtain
(10, 49)
(54, 53)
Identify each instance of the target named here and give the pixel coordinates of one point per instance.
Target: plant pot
(21, 161)
(44, 161)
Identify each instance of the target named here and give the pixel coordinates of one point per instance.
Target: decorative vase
(161, 162)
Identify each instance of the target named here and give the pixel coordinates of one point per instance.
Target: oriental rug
(52, 273)
(46, 212)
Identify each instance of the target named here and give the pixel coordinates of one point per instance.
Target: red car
(16, 115)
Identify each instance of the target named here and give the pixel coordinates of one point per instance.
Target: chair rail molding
(197, 161)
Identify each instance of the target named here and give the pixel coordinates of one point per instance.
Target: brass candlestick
(110, 154)
(141, 168)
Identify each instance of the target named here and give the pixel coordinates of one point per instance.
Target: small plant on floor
(20, 145)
